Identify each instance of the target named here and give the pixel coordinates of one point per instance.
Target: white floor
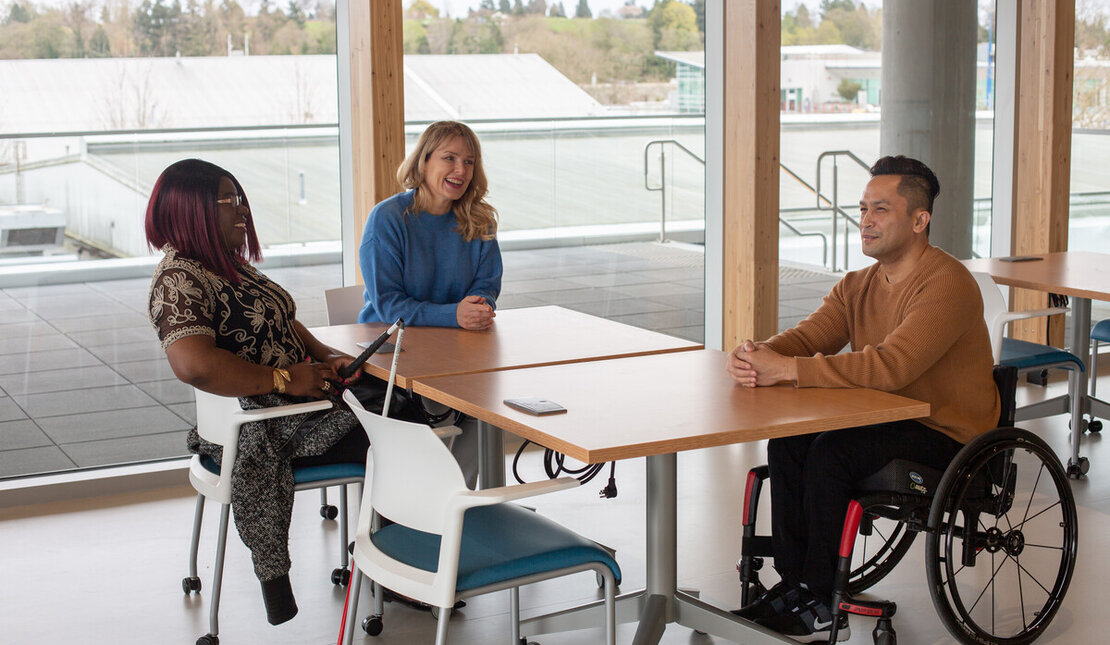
(108, 570)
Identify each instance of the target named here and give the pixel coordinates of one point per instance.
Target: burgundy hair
(182, 212)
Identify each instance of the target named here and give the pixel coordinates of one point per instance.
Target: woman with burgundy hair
(228, 329)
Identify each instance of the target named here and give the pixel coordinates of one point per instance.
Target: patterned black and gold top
(252, 319)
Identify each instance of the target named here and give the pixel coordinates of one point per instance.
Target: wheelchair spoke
(989, 585)
(1030, 575)
(1033, 493)
(1038, 514)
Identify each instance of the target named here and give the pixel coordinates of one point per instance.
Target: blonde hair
(476, 218)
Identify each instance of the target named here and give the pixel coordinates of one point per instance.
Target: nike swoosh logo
(819, 625)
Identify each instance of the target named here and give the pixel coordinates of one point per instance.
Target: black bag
(370, 392)
(406, 406)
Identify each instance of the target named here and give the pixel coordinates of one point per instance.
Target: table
(1080, 275)
(526, 337)
(655, 406)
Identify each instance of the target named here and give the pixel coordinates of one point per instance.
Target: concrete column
(928, 104)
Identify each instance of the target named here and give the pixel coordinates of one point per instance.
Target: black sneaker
(771, 602)
(807, 620)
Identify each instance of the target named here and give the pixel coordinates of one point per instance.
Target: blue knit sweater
(418, 267)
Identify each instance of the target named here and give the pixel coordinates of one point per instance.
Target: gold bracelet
(281, 377)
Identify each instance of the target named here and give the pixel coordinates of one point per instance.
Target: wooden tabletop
(519, 338)
(648, 405)
(1073, 273)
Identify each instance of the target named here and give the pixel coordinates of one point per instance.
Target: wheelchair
(1000, 527)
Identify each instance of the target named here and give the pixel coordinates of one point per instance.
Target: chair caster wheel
(190, 584)
(329, 512)
(208, 639)
(340, 576)
(1094, 426)
(1077, 470)
(372, 625)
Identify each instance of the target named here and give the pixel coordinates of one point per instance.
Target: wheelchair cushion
(305, 474)
(500, 542)
(902, 476)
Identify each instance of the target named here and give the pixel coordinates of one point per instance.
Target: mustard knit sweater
(923, 338)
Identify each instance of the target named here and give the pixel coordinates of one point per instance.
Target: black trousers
(812, 480)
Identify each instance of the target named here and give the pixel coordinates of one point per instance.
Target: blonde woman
(429, 254)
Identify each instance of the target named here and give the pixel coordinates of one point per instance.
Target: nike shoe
(771, 602)
(807, 620)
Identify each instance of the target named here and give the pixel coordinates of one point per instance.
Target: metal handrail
(835, 203)
(795, 230)
(662, 187)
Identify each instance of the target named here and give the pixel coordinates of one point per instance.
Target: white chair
(448, 542)
(1027, 356)
(218, 421)
(344, 304)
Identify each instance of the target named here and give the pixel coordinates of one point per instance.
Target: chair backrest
(994, 308)
(344, 304)
(414, 475)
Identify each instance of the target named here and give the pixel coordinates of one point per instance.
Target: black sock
(278, 596)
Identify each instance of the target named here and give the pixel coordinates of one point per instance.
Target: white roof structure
(76, 95)
(818, 52)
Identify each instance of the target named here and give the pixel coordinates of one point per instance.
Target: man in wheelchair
(913, 325)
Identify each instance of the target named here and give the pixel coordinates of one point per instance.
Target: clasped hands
(753, 365)
(474, 314)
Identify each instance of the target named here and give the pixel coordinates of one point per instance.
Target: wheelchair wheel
(876, 555)
(1002, 539)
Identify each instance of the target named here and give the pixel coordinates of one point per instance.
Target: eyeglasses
(235, 201)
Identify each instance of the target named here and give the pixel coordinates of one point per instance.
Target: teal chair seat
(1025, 355)
(305, 474)
(499, 543)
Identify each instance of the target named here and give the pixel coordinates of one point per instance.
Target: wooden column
(751, 170)
(377, 103)
(1042, 173)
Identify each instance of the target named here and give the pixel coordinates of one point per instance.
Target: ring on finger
(326, 386)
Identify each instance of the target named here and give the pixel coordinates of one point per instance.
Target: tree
(857, 27)
(537, 7)
(849, 89)
(99, 45)
(583, 10)
(557, 10)
(155, 27)
(415, 37)
(802, 17)
(829, 5)
(674, 26)
(296, 12)
(421, 10)
(699, 13)
(18, 13)
(503, 7)
(518, 8)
